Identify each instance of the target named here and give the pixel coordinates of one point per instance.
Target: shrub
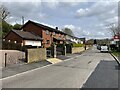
(13, 46)
(77, 45)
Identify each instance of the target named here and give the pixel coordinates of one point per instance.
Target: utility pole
(22, 20)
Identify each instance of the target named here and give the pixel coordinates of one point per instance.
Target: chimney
(56, 28)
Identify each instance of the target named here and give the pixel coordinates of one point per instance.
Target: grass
(116, 53)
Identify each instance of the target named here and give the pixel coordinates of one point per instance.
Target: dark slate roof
(45, 27)
(27, 35)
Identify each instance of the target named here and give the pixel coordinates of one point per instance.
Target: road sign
(116, 38)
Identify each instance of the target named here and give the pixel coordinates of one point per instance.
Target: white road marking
(34, 69)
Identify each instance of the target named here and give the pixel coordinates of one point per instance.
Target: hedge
(12, 46)
(77, 45)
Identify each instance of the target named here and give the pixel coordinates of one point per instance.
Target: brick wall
(33, 28)
(45, 38)
(33, 55)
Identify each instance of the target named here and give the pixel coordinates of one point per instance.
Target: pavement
(54, 60)
(16, 69)
(73, 73)
(23, 67)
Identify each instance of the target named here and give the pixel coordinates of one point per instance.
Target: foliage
(77, 45)
(68, 31)
(116, 53)
(12, 46)
(17, 26)
(60, 45)
(5, 28)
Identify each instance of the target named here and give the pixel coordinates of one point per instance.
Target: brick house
(23, 38)
(49, 35)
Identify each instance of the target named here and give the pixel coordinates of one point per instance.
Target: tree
(4, 12)
(5, 28)
(68, 31)
(115, 30)
(17, 26)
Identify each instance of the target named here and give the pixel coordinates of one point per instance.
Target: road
(73, 73)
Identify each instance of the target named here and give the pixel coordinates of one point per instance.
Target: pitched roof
(45, 27)
(27, 35)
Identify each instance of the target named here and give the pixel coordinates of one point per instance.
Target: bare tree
(4, 12)
(114, 29)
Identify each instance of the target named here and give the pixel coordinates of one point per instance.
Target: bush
(77, 45)
(60, 45)
(12, 46)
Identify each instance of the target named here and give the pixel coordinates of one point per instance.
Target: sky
(85, 19)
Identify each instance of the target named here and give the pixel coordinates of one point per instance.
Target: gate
(68, 48)
(59, 49)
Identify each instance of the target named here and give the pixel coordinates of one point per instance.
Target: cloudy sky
(86, 19)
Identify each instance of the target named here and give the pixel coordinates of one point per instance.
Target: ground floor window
(48, 42)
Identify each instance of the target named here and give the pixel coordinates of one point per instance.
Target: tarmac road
(74, 73)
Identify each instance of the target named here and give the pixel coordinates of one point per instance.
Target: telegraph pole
(22, 20)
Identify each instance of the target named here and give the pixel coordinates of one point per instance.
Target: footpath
(16, 69)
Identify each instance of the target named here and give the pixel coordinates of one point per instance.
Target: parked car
(104, 48)
(98, 47)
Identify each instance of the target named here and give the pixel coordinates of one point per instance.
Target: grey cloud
(29, 10)
(96, 9)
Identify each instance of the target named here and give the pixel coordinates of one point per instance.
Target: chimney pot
(56, 28)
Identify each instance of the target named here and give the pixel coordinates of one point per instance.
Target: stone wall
(77, 49)
(33, 55)
(12, 57)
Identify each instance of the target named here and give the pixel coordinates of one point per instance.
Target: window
(8, 40)
(53, 33)
(59, 35)
(48, 41)
(3, 39)
(47, 32)
(15, 41)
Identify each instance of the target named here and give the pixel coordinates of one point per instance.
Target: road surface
(73, 73)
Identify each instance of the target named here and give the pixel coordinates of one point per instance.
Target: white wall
(33, 43)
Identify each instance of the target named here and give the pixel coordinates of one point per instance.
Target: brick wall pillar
(54, 51)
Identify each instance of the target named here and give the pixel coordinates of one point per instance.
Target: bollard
(5, 59)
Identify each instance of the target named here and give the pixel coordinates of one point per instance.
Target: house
(49, 35)
(82, 40)
(73, 39)
(23, 38)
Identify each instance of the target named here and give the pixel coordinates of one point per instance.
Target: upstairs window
(53, 33)
(47, 32)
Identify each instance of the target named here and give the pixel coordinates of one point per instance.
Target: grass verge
(116, 53)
